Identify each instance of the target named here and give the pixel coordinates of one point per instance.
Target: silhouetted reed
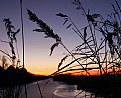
(103, 53)
(91, 51)
(49, 33)
(22, 28)
(12, 42)
(90, 48)
(8, 77)
(45, 29)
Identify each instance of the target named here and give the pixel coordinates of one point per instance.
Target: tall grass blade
(62, 60)
(52, 47)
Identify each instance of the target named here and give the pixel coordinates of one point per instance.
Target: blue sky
(37, 48)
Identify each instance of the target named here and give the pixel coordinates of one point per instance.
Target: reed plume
(50, 34)
(45, 29)
(11, 33)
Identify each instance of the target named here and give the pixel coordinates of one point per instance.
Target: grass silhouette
(104, 53)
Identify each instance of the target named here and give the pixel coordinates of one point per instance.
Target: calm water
(53, 89)
(56, 90)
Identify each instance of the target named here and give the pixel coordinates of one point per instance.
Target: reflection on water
(56, 89)
(70, 91)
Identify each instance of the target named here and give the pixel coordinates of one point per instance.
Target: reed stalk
(22, 28)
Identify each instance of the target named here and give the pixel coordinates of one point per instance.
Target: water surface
(55, 89)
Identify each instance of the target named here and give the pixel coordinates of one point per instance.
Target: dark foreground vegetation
(108, 86)
(17, 76)
(103, 52)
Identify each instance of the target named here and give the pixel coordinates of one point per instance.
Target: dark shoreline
(108, 86)
(105, 85)
(15, 76)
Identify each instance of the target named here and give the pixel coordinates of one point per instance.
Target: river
(54, 89)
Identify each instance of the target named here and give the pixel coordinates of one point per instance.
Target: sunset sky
(37, 48)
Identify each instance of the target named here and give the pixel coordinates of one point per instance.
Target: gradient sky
(37, 48)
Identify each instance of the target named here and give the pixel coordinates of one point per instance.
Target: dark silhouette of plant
(49, 33)
(22, 25)
(104, 53)
(91, 51)
(62, 60)
(9, 76)
(45, 29)
(11, 33)
(22, 28)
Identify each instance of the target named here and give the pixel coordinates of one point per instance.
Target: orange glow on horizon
(39, 69)
(92, 73)
(42, 71)
(47, 73)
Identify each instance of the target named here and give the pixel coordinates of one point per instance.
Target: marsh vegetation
(99, 52)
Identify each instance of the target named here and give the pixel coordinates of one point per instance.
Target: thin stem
(22, 28)
(80, 35)
(39, 90)
(93, 36)
(118, 6)
(22, 25)
(74, 58)
(17, 54)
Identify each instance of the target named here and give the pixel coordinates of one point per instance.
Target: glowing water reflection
(70, 91)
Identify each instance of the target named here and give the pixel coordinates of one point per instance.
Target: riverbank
(17, 76)
(105, 85)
